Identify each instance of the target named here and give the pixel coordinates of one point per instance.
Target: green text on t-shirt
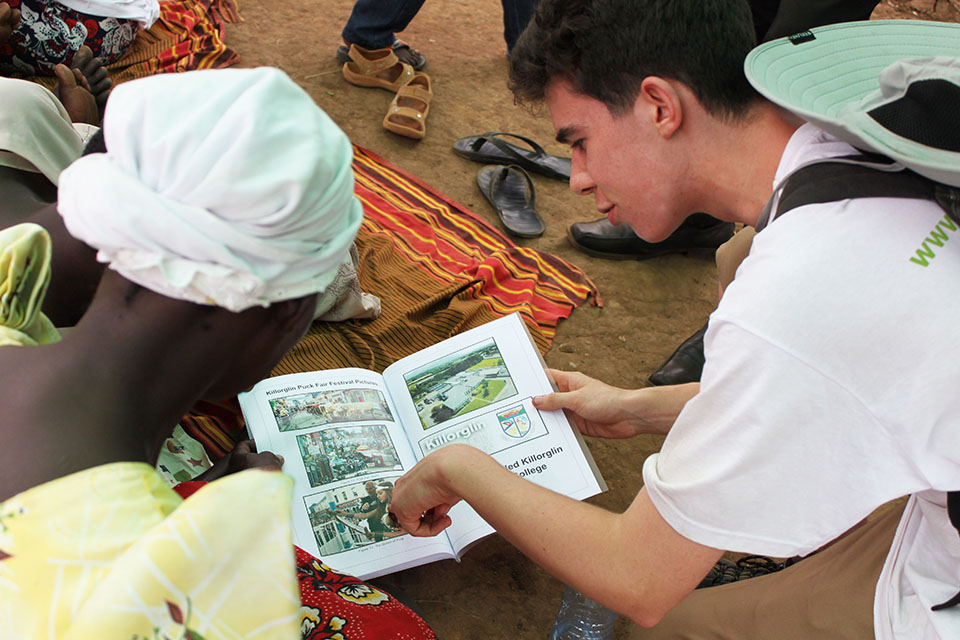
(936, 238)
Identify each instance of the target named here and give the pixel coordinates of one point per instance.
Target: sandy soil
(650, 306)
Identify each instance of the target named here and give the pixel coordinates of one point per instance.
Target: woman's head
(232, 206)
(385, 492)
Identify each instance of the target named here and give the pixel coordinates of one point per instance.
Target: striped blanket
(438, 270)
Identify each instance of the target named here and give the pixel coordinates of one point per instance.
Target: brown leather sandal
(376, 68)
(407, 115)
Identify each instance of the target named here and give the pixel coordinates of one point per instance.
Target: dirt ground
(649, 307)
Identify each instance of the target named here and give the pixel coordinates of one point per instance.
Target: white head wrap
(35, 130)
(227, 187)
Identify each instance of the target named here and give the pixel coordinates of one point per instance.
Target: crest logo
(515, 422)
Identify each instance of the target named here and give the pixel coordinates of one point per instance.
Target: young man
(822, 397)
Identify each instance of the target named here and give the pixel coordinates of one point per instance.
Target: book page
(476, 389)
(343, 446)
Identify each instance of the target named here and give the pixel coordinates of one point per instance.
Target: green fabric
(24, 276)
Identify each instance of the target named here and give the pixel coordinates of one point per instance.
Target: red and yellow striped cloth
(452, 244)
(189, 35)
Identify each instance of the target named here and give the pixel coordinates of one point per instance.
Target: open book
(347, 434)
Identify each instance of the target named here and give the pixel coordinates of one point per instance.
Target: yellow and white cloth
(36, 133)
(24, 277)
(112, 552)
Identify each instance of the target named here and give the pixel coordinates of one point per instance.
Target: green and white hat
(887, 86)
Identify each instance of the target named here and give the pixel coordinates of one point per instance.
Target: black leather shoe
(699, 234)
(685, 365)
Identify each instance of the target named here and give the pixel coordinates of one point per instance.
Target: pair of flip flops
(380, 68)
(507, 184)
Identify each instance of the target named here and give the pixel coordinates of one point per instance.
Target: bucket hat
(887, 86)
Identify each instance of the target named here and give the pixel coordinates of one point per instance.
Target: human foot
(98, 82)
(74, 93)
(406, 53)
(9, 21)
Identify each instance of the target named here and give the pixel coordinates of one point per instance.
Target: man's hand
(597, 408)
(73, 90)
(9, 21)
(423, 496)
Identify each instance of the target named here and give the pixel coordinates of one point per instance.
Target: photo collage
(344, 515)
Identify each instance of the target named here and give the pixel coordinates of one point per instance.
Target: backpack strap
(860, 176)
(865, 176)
(953, 510)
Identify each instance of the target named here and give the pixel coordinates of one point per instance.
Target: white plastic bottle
(580, 618)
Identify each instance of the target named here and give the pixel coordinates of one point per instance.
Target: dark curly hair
(605, 48)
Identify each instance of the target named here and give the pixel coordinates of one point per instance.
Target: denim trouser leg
(798, 15)
(372, 23)
(516, 15)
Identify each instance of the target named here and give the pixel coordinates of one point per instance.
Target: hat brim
(818, 77)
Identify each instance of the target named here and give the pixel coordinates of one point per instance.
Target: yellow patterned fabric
(24, 276)
(112, 552)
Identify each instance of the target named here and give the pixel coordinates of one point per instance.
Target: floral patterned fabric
(50, 34)
(341, 607)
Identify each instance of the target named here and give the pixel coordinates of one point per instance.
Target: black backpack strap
(866, 176)
(861, 176)
(953, 510)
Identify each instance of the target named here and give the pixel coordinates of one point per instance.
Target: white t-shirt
(832, 386)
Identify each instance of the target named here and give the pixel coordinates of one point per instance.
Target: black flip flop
(489, 148)
(510, 191)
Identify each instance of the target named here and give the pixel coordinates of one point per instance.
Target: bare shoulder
(54, 424)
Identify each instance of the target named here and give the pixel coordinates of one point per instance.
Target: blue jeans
(516, 15)
(793, 16)
(372, 23)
